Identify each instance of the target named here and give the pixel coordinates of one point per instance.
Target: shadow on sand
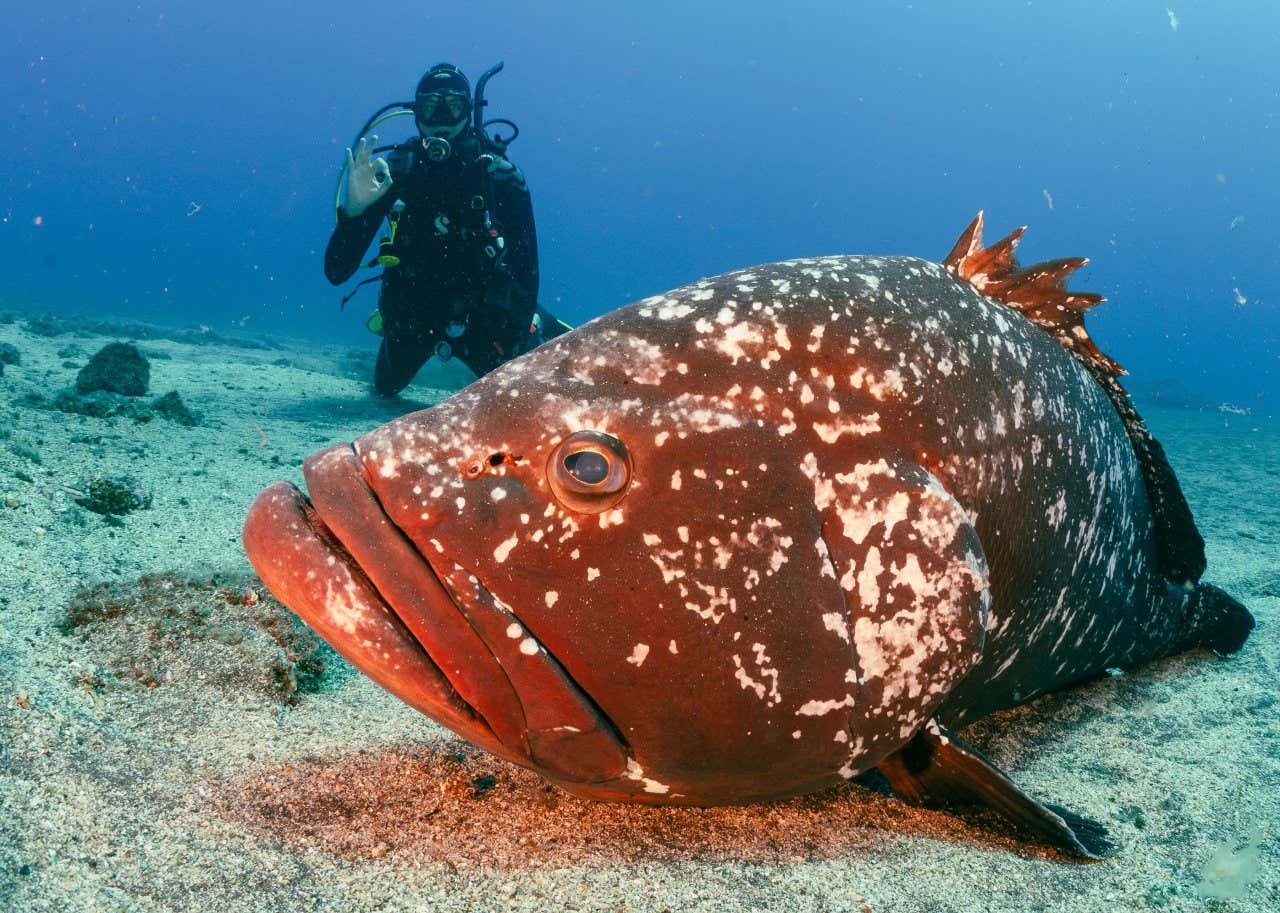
(446, 803)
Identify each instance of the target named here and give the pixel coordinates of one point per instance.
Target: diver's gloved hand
(368, 178)
(502, 170)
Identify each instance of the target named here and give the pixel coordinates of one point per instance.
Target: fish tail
(1223, 624)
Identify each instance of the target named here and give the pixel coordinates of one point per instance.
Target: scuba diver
(460, 256)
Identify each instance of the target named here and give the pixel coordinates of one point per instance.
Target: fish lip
(307, 568)
(410, 588)
(342, 563)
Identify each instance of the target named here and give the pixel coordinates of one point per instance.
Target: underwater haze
(202, 668)
(176, 161)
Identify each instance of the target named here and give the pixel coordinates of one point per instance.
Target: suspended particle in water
(1173, 19)
(1048, 198)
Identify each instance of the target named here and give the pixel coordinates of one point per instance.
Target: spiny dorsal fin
(1038, 291)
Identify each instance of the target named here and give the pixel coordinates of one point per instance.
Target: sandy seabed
(173, 755)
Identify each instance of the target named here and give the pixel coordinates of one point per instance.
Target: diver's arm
(350, 239)
(366, 205)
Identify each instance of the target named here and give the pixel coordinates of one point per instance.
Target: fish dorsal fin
(1038, 292)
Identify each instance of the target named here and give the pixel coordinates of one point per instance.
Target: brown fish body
(821, 503)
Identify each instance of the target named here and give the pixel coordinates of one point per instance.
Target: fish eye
(589, 471)
(587, 466)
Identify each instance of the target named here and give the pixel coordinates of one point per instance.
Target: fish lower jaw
(439, 641)
(305, 566)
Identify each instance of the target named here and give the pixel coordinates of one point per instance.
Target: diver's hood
(438, 120)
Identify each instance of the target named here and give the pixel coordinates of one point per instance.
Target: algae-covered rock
(112, 497)
(117, 368)
(9, 355)
(98, 404)
(26, 451)
(45, 325)
(102, 404)
(171, 407)
(186, 636)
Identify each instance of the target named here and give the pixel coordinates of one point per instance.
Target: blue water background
(664, 142)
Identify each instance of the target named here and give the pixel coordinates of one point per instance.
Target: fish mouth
(440, 641)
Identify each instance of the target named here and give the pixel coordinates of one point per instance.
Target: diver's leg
(486, 343)
(399, 358)
(408, 338)
(483, 354)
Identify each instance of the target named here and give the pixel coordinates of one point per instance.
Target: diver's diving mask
(442, 107)
(442, 113)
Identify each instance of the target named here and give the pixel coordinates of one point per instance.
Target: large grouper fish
(761, 534)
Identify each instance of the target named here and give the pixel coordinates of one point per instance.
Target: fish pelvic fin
(937, 769)
(1038, 291)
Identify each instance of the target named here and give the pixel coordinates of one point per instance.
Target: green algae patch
(111, 497)
(171, 632)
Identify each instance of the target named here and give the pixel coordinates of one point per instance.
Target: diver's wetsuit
(444, 273)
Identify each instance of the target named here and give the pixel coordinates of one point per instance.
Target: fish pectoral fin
(937, 769)
(914, 584)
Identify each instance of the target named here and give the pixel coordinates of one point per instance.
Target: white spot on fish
(504, 549)
(674, 311)
(822, 708)
(636, 772)
(835, 623)
(868, 589)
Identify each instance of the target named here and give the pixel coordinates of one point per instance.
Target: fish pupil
(587, 466)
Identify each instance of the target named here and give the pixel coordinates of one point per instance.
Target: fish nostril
(478, 466)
